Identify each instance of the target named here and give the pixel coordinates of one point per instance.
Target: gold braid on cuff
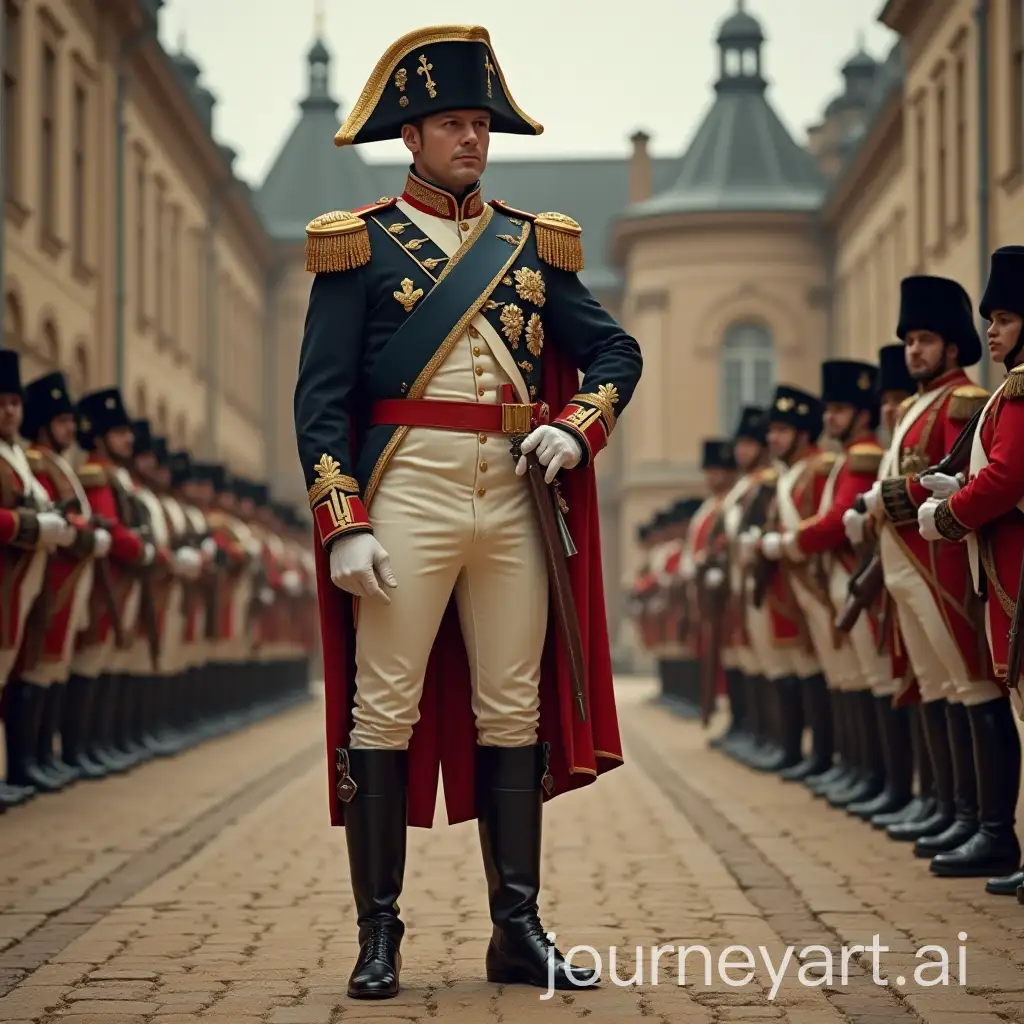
(330, 478)
(899, 509)
(947, 524)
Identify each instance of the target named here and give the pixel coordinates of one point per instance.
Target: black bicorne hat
(849, 381)
(10, 372)
(893, 374)
(101, 411)
(796, 408)
(46, 398)
(940, 305)
(718, 454)
(143, 437)
(752, 425)
(1005, 288)
(429, 71)
(181, 467)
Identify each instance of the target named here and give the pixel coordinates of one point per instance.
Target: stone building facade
(744, 260)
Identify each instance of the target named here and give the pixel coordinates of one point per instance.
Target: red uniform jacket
(18, 538)
(989, 505)
(943, 565)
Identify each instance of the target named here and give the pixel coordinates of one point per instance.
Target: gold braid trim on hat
(336, 241)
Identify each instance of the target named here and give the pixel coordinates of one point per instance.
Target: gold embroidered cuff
(26, 529)
(899, 509)
(586, 424)
(330, 478)
(340, 513)
(947, 523)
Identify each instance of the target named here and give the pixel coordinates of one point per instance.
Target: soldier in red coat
(72, 573)
(986, 516)
(31, 530)
(940, 618)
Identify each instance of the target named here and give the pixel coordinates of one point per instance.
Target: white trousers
(453, 517)
(933, 653)
(873, 671)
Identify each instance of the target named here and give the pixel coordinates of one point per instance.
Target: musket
(867, 584)
(1013, 656)
(713, 602)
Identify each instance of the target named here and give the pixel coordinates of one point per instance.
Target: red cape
(444, 739)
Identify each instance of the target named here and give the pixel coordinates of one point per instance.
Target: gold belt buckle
(516, 418)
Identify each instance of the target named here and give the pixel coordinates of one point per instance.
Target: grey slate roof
(741, 158)
(311, 175)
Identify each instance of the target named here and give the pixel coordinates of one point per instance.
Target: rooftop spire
(318, 19)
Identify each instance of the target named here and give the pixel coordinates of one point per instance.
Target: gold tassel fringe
(966, 401)
(336, 241)
(1014, 386)
(559, 241)
(864, 462)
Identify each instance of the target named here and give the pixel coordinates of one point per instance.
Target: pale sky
(591, 80)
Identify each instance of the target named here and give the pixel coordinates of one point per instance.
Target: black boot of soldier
(375, 833)
(103, 730)
(49, 729)
(871, 776)
(744, 748)
(23, 720)
(76, 737)
(509, 795)
(817, 707)
(965, 788)
(922, 805)
(935, 732)
(734, 691)
(897, 758)
(134, 694)
(789, 702)
(840, 773)
(994, 849)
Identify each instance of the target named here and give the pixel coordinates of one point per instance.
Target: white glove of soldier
(266, 596)
(188, 563)
(557, 449)
(148, 553)
(771, 546)
(356, 562)
(292, 582)
(54, 530)
(926, 519)
(714, 577)
(208, 547)
(941, 485)
(101, 543)
(853, 524)
(873, 498)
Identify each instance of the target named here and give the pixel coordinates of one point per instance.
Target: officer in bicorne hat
(984, 515)
(443, 344)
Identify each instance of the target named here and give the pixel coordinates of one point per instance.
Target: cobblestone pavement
(210, 888)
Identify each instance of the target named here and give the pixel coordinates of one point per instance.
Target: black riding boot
(23, 719)
(818, 712)
(836, 766)
(844, 770)
(922, 804)
(994, 849)
(49, 728)
(871, 779)
(375, 833)
(894, 732)
(734, 689)
(762, 747)
(509, 811)
(936, 740)
(105, 712)
(965, 788)
(76, 723)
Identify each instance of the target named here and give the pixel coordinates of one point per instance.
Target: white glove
(292, 582)
(188, 563)
(101, 543)
(941, 485)
(771, 546)
(148, 553)
(354, 560)
(556, 449)
(208, 547)
(688, 570)
(747, 543)
(266, 596)
(926, 520)
(254, 548)
(714, 577)
(54, 530)
(853, 523)
(873, 498)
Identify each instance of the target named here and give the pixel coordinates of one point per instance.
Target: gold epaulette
(768, 475)
(1014, 386)
(340, 240)
(965, 401)
(92, 474)
(824, 463)
(559, 237)
(864, 458)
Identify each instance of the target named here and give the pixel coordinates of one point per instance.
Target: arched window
(49, 346)
(746, 371)
(141, 410)
(160, 426)
(14, 324)
(80, 371)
